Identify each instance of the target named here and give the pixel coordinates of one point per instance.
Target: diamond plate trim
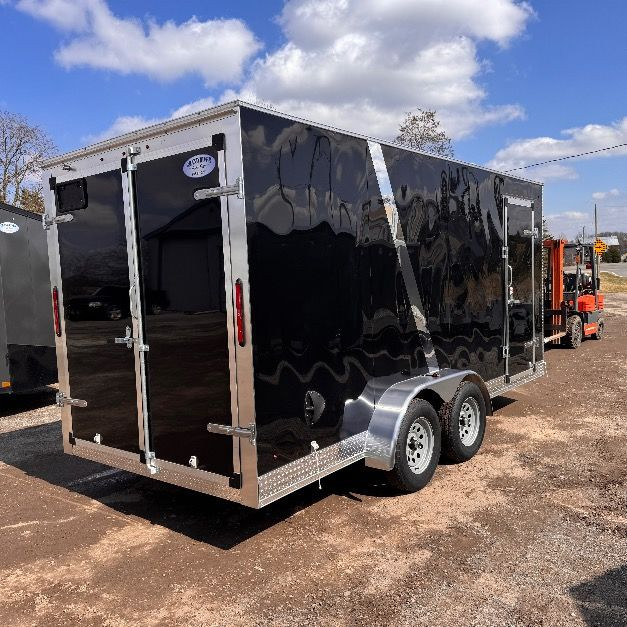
(498, 386)
(277, 483)
(199, 480)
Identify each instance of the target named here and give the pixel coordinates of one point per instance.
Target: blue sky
(514, 82)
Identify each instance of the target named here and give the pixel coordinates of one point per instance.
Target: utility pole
(596, 260)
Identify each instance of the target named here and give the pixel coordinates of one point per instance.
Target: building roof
(610, 240)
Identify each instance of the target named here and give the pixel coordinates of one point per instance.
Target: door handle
(510, 273)
(129, 340)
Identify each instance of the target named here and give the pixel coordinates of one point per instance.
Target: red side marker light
(55, 311)
(239, 312)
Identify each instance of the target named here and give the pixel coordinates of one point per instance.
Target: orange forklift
(573, 305)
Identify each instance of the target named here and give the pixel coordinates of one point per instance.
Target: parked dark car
(109, 303)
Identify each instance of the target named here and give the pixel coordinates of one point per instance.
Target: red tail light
(55, 311)
(239, 312)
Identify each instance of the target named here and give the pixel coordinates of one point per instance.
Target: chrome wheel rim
(469, 421)
(419, 445)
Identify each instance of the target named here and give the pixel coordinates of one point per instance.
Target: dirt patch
(532, 531)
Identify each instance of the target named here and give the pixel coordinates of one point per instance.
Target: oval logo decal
(9, 227)
(198, 166)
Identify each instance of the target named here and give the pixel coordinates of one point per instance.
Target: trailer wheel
(417, 448)
(463, 422)
(574, 332)
(600, 330)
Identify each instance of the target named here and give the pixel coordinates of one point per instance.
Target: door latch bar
(62, 400)
(249, 432)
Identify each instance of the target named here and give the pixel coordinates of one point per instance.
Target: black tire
(574, 332)
(600, 330)
(460, 442)
(420, 423)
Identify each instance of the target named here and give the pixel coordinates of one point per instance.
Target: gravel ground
(532, 531)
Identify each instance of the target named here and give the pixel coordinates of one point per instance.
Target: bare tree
(23, 147)
(421, 130)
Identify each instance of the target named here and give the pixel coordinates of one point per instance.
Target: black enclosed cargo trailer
(249, 302)
(27, 347)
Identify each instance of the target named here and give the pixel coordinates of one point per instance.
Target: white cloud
(603, 195)
(128, 123)
(216, 50)
(569, 223)
(578, 140)
(361, 64)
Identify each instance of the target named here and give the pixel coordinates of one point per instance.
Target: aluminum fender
(388, 414)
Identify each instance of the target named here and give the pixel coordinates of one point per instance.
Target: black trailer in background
(27, 345)
(249, 302)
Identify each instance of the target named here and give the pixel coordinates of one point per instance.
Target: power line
(581, 154)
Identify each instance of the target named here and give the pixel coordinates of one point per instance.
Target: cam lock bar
(240, 432)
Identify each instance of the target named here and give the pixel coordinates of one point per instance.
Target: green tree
(611, 255)
(420, 130)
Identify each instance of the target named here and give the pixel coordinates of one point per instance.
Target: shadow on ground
(603, 600)
(37, 451)
(12, 404)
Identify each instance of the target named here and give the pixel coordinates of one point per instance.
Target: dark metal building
(27, 347)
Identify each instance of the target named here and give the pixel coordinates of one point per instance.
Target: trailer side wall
(329, 310)
(26, 302)
(452, 217)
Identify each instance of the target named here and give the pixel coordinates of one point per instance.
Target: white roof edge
(217, 111)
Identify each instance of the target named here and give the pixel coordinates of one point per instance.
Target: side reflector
(5, 384)
(239, 312)
(55, 311)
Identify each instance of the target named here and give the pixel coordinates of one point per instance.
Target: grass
(612, 284)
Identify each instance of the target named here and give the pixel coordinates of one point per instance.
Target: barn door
(184, 267)
(520, 302)
(93, 300)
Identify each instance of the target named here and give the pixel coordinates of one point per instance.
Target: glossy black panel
(94, 271)
(453, 224)
(31, 367)
(182, 265)
(329, 310)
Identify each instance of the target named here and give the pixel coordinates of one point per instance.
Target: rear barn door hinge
(62, 400)
(504, 252)
(249, 432)
(226, 190)
(47, 221)
(531, 232)
(505, 351)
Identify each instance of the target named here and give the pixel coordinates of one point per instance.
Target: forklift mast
(567, 295)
